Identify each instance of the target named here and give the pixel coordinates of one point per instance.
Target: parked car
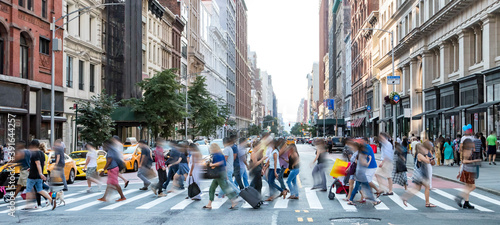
(337, 144)
(69, 168)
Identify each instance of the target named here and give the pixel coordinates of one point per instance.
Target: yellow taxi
(131, 156)
(69, 168)
(290, 141)
(6, 169)
(80, 157)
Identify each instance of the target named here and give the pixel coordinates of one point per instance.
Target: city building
(342, 11)
(311, 104)
(214, 49)
(191, 10)
(448, 57)
(264, 77)
(257, 96)
(323, 46)
(270, 96)
(301, 112)
(347, 84)
(275, 106)
(82, 59)
(364, 15)
(332, 56)
(25, 70)
(243, 80)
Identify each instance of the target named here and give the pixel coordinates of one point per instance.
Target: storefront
(403, 122)
(13, 112)
(471, 92)
(358, 127)
(448, 100)
(491, 105)
(432, 125)
(388, 118)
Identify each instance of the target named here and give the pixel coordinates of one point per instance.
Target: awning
(387, 119)
(126, 115)
(437, 112)
(482, 107)
(457, 110)
(357, 122)
(419, 116)
(13, 110)
(56, 118)
(341, 122)
(374, 118)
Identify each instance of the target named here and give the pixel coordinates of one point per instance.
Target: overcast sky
(285, 35)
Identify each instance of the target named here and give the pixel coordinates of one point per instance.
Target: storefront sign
(476, 117)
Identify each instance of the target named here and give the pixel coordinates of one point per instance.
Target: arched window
(3, 47)
(24, 58)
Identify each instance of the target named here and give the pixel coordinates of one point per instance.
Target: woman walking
(421, 175)
(293, 165)
(219, 163)
(318, 171)
(256, 160)
(399, 172)
(90, 167)
(182, 172)
(351, 145)
(448, 152)
(362, 180)
(195, 161)
(272, 175)
(467, 174)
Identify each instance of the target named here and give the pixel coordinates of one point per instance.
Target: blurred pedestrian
(36, 177)
(256, 165)
(352, 146)
(478, 148)
(243, 162)
(236, 164)
(399, 171)
(117, 145)
(284, 155)
(160, 168)
(438, 144)
(174, 158)
(145, 163)
(467, 174)
(318, 172)
(456, 149)
(90, 167)
(421, 175)
(405, 144)
(361, 176)
(22, 158)
(113, 160)
(448, 152)
(195, 161)
(229, 157)
(219, 163)
(432, 162)
(274, 169)
(492, 147)
(294, 167)
(183, 170)
(386, 165)
(59, 164)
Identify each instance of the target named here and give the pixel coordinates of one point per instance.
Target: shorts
(386, 170)
(183, 169)
(113, 176)
(370, 173)
(23, 177)
(492, 150)
(468, 177)
(34, 183)
(91, 172)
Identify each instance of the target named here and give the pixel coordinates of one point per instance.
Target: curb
(491, 191)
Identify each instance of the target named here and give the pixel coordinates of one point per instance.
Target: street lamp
(186, 91)
(393, 85)
(56, 47)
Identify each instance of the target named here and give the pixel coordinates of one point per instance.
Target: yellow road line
(306, 211)
(309, 219)
(297, 211)
(300, 219)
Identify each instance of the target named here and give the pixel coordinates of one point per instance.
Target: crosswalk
(309, 199)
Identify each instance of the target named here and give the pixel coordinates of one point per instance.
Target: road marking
(300, 219)
(129, 200)
(312, 199)
(306, 211)
(184, 203)
(435, 202)
(218, 202)
(297, 211)
(299, 182)
(281, 203)
(84, 206)
(69, 201)
(347, 208)
(381, 206)
(449, 196)
(309, 219)
(482, 197)
(395, 198)
(159, 200)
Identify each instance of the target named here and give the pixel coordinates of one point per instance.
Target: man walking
(173, 165)
(22, 157)
(145, 164)
(492, 147)
(36, 177)
(59, 167)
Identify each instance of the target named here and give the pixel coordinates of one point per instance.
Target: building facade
(243, 80)
(342, 11)
(364, 15)
(323, 46)
(347, 84)
(449, 65)
(25, 70)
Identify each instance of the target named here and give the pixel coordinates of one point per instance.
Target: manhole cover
(354, 219)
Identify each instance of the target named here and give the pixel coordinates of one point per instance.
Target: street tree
(271, 122)
(95, 117)
(254, 130)
(162, 104)
(206, 114)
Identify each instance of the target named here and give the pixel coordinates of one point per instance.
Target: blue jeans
(280, 178)
(34, 183)
(292, 182)
(365, 187)
(270, 180)
(244, 176)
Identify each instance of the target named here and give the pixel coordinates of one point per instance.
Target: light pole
(393, 85)
(55, 48)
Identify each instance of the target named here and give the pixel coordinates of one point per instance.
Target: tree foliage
(162, 104)
(95, 117)
(206, 114)
(271, 122)
(254, 130)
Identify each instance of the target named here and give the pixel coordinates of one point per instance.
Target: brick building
(323, 46)
(362, 16)
(243, 84)
(25, 68)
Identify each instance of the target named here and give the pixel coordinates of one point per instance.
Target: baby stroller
(5, 186)
(340, 184)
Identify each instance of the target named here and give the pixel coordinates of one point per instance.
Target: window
(80, 75)
(21, 3)
(24, 58)
(69, 72)
(29, 4)
(80, 24)
(90, 28)
(1, 54)
(184, 50)
(44, 9)
(44, 46)
(66, 19)
(92, 78)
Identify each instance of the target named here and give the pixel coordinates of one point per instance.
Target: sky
(285, 36)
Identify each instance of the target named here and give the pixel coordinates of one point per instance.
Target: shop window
(469, 97)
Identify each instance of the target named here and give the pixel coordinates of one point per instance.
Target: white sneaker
(89, 190)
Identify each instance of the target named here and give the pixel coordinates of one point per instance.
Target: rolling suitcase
(252, 196)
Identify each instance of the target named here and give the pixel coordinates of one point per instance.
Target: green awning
(330, 122)
(126, 115)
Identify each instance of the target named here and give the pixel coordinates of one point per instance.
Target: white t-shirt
(465, 138)
(228, 151)
(92, 156)
(271, 159)
(269, 150)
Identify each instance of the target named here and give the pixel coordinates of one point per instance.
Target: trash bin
(374, 147)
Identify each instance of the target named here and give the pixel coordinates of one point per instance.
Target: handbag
(193, 188)
(400, 166)
(351, 170)
(211, 173)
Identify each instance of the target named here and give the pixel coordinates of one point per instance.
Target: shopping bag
(193, 188)
(339, 168)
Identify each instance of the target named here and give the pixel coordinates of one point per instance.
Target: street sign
(396, 98)
(395, 80)
(331, 104)
(368, 108)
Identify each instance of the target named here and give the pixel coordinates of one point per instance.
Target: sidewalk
(489, 179)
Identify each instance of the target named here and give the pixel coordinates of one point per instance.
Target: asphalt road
(141, 207)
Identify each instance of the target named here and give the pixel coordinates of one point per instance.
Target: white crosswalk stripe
(159, 200)
(129, 200)
(482, 197)
(281, 203)
(345, 206)
(436, 202)
(184, 203)
(84, 206)
(449, 196)
(218, 202)
(71, 200)
(312, 199)
(396, 199)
